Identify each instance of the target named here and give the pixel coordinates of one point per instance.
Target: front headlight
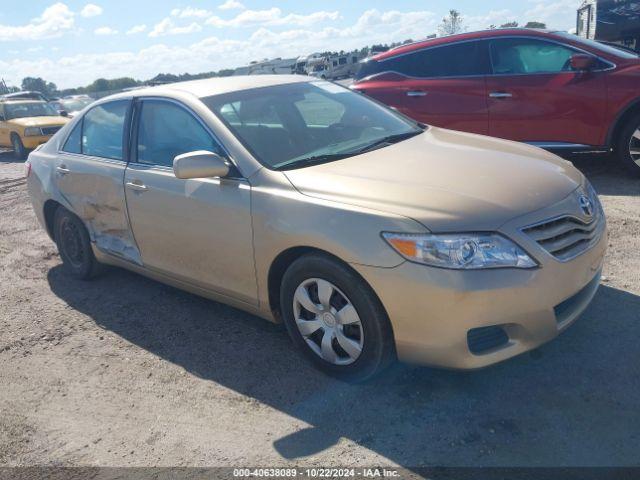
(460, 251)
(32, 132)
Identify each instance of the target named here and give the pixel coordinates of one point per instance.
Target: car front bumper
(472, 319)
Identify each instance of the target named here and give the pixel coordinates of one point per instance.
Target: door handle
(62, 170)
(138, 187)
(416, 93)
(500, 95)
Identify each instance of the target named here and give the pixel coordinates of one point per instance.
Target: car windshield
(618, 52)
(28, 109)
(75, 104)
(299, 124)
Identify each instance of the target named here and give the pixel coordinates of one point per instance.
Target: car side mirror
(582, 62)
(64, 113)
(200, 164)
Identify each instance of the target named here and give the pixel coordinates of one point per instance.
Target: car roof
(481, 34)
(20, 100)
(215, 86)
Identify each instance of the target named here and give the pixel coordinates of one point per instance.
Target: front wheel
(74, 245)
(335, 318)
(628, 146)
(18, 148)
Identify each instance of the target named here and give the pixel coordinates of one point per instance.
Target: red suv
(550, 89)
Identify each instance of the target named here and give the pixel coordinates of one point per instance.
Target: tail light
(27, 168)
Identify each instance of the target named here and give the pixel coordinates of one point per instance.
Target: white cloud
(272, 17)
(214, 53)
(190, 12)
(494, 17)
(167, 27)
(105, 31)
(558, 14)
(91, 10)
(231, 5)
(136, 29)
(55, 21)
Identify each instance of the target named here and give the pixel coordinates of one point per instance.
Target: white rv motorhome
(333, 67)
(277, 66)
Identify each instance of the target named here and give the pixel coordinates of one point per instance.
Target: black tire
(73, 243)
(623, 146)
(378, 349)
(18, 148)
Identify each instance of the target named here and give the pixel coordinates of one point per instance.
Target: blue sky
(72, 42)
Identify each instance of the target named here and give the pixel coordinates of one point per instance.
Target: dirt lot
(126, 371)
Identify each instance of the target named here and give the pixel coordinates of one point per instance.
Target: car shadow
(606, 176)
(572, 402)
(7, 156)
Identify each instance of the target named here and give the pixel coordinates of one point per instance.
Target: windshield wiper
(330, 157)
(388, 140)
(315, 160)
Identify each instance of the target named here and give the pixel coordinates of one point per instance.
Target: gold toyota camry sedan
(370, 236)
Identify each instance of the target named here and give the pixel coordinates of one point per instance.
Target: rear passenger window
(103, 130)
(73, 145)
(456, 60)
(167, 130)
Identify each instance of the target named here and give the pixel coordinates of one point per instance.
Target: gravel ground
(124, 371)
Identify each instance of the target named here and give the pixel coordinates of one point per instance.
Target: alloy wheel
(634, 146)
(328, 321)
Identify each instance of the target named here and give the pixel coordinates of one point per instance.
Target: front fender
(284, 219)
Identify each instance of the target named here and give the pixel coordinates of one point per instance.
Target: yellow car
(25, 124)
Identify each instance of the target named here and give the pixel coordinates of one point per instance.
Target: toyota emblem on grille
(586, 205)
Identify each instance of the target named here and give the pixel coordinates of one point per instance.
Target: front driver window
(525, 56)
(167, 130)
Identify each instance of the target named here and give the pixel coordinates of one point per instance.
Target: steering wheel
(567, 66)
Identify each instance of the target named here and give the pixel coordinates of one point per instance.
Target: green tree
(38, 84)
(105, 85)
(451, 24)
(536, 25)
(509, 25)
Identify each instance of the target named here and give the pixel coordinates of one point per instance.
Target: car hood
(446, 180)
(39, 121)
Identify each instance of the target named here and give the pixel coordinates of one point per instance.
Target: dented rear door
(90, 177)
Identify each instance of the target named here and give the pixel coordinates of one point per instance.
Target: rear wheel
(74, 245)
(18, 148)
(335, 319)
(628, 146)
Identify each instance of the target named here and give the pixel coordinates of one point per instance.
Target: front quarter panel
(283, 218)
(623, 94)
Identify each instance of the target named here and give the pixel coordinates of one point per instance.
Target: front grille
(484, 339)
(567, 237)
(50, 130)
